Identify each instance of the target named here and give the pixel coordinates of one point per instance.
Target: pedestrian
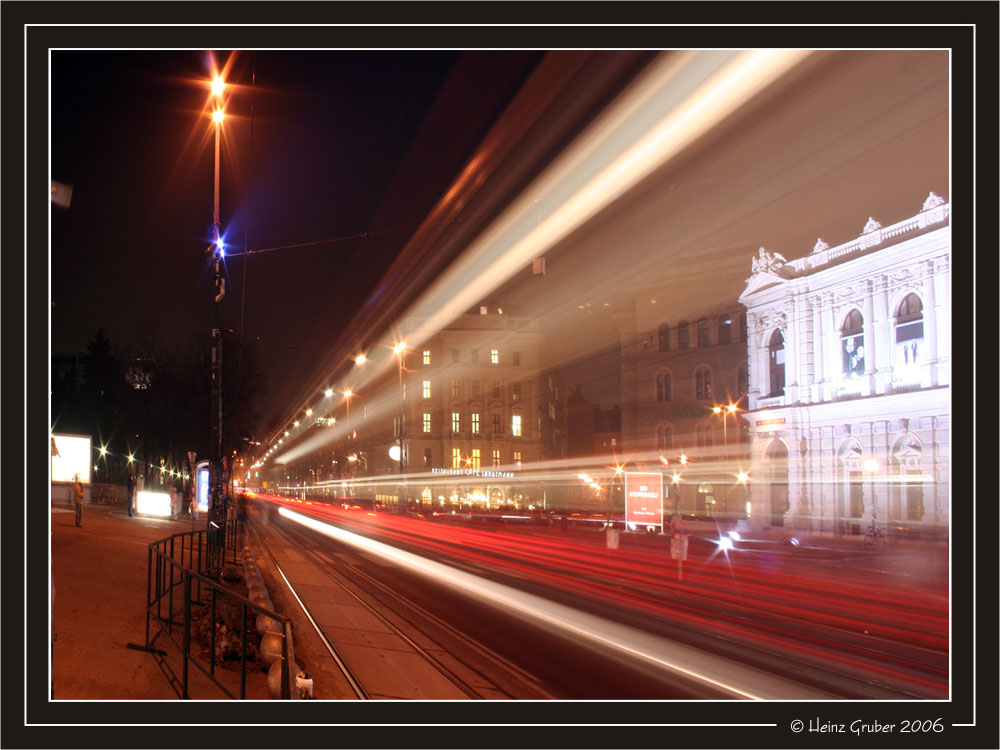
(78, 498)
(130, 497)
(194, 503)
(173, 503)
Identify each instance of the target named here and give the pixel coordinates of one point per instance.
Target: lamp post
(347, 397)
(217, 510)
(398, 349)
(725, 411)
(743, 477)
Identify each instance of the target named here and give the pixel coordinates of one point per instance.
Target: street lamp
(217, 251)
(725, 411)
(347, 397)
(398, 349)
(742, 477)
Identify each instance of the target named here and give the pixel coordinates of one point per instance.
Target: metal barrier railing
(182, 570)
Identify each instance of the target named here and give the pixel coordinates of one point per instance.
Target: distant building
(849, 359)
(470, 409)
(681, 372)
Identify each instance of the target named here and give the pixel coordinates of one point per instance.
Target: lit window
(517, 458)
(456, 458)
(427, 356)
(427, 422)
(496, 456)
(494, 356)
(515, 425)
(475, 458)
(475, 422)
(517, 359)
(852, 342)
(515, 391)
(703, 384)
(776, 363)
(497, 425)
(909, 330)
(456, 421)
(482, 309)
(427, 389)
(455, 390)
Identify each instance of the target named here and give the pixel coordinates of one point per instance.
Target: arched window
(683, 335)
(703, 384)
(664, 438)
(725, 329)
(703, 436)
(664, 332)
(663, 387)
(909, 330)
(852, 343)
(776, 364)
(703, 337)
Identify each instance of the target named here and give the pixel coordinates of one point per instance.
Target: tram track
(407, 621)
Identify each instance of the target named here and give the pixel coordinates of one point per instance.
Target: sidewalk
(99, 576)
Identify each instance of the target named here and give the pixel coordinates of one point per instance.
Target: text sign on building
(644, 498)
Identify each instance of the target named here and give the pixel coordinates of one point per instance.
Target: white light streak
(737, 679)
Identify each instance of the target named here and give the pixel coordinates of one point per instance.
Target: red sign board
(644, 498)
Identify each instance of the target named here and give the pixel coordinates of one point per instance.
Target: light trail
(735, 679)
(895, 633)
(676, 101)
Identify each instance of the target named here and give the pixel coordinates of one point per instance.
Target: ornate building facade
(849, 361)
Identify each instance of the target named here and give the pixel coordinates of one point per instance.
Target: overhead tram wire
(362, 235)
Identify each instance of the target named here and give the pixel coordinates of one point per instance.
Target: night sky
(342, 143)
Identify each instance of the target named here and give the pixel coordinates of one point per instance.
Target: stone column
(882, 334)
(930, 344)
(868, 308)
(834, 364)
(793, 349)
(819, 371)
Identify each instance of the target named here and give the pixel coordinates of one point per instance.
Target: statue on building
(766, 262)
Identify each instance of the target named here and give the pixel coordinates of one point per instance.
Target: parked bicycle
(105, 496)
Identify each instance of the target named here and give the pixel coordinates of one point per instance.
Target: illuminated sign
(475, 473)
(152, 503)
(70, 456)
(644, 498)
(202, 480)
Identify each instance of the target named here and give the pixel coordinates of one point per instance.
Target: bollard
(266, 624)
(270, 648)
(274, 678)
